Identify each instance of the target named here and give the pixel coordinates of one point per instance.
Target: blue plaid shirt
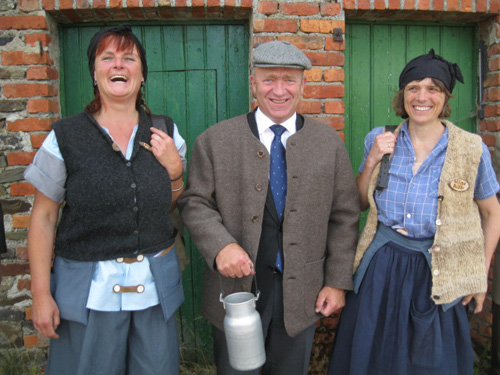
(410, 201)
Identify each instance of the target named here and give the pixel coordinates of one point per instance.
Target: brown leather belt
(140, 257)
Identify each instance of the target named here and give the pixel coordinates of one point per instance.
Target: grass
(19, 362)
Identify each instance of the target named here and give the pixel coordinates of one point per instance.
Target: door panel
(198, 75)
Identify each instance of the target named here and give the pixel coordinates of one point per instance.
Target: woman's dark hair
(398, 102)
(123, 43)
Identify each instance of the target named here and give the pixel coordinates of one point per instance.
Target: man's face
(278, 91)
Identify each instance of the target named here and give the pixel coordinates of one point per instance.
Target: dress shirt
(48, 170)
(266, 135)
(410, 200)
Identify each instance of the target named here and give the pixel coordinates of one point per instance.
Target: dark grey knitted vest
(113, 207)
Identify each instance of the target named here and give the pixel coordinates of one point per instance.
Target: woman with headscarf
(108, 303)
(428, 241)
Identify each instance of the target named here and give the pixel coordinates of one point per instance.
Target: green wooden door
(376, 55)
(198, 75)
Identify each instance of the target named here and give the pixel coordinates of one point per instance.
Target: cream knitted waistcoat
(458, 263)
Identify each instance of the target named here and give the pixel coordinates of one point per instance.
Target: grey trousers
(285, 355)
(116, 343)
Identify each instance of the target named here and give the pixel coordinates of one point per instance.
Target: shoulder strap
(383, 176)
(164, 123)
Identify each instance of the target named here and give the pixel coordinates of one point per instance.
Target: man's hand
(232, 261)
(329, 300)
(46, 316)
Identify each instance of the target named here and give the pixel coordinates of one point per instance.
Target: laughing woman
(108, 302)
(429, 238)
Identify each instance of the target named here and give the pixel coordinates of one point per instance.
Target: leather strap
(383, 176)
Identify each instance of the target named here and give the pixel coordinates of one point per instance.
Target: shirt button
(438, 222)
(435, 272)
(408, 216)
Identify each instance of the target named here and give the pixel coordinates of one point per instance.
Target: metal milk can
(243, 329)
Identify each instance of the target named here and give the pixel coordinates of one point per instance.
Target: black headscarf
(431, 65)
(124, 30)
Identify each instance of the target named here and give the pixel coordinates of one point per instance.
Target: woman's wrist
(178, 177)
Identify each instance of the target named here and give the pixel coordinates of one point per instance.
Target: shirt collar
(264, 122)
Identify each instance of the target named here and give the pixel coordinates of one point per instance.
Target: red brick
(424, 4)
(23, 284)
(30, 124)
(115, 4)
(305, 42)
(394, 4)
(48, 4)
(466, 5)
(22, 253)
(23, 58)
(488, 139)
(320, 26)
(275, 26)
(453, 5)
(330, 9)
(494, 49)
(24, 23)
(324, 91)
(309, 107)
(20, 158)
(331, 45)
(335, 107)
(99, 4)
(438, 5)
(28, 90)
(31, 341)
(14, 269)
(65, 4)
(363, 4)
(28, 313)
(313, 75)
(21, 189)
(299, 9)
(29, 5)
(379, 4)
(259, 39)
(32, 39)
(43, 105)
(334, 75)
(490, 125)
(494, 7)
(492, 80)
(133, 3)
(493, 94)
(82, 4)
(492, 110)
(37, 140)
(409, 5)
(246, 3)
(198, 3)
(21, 221)
(336, 122)
(267, 7)
(350, 4)
(42, 73)
(326, 58)
(494, 64)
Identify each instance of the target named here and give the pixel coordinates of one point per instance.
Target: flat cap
(277, 54)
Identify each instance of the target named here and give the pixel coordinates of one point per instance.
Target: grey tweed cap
(279, 54)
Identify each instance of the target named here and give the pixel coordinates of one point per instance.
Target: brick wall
(29, 95)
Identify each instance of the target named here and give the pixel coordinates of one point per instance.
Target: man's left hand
(329, 300)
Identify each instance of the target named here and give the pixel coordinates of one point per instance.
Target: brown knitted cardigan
(458, 263)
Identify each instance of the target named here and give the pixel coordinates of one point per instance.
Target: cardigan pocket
(168, 279)
(426, 345)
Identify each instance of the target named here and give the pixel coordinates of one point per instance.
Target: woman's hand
(385, 143)
(164, 149)
(478, 297)
(45, 316)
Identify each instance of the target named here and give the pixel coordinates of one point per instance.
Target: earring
(95, 83)
(142, 84)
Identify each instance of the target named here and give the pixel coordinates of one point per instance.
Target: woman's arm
(40, 244)
(384, 143)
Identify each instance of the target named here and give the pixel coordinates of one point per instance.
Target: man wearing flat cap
(271, 195)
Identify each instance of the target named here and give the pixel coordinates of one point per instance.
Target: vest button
(133, 185)
(438, 222)
(135, 209)
(115, 147)
(128, 164)
(435, 272)
(435, 297)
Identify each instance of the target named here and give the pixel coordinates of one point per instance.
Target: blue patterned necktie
(277, 179)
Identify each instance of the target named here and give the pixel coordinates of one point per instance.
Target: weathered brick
(494, 7)
(267, 7)
(305, 42)
(299, 9)
(12, 72)
(350, 4)
(23, 284)
(452, 5)
(336, 122)
(133, 3)
(29, 5)
(309, 106)
(43, 105)
(24, 23)
(334, 75)
(494, 49)
(394, 4)
(22, 253)
(30, 124)
(28, 313)
(12, 105)
(23, 58)
(320, 26)
(42, 73)
(313, 75)
(32, 39)
(335, 107)
(466, 5)
(438, 5)
(488, 139)
(326, 58)
(37, 140)
(21, 189)
(21, 221)
(25, 90)
(492, 110)
(330, 9)
(99, 4)
(379, 4)
(259, 39)
(409, 4)
(31, 341)
(20, 158)
(246, 3)
(331, 45)
(493, 94)
(363, 4)
(48, 4)
(14, 269)
(275, 26)
(324, 91)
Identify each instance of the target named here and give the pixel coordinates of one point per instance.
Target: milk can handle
(221, 295)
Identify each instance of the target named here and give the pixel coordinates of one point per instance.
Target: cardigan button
(255, 219)
(435, 272)
(128, 164)
(439, 222)
(261, 154)
(115, 147)
(258, 187)
(135, 209)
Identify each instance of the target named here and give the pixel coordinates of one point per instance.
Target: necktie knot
(278, 130)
